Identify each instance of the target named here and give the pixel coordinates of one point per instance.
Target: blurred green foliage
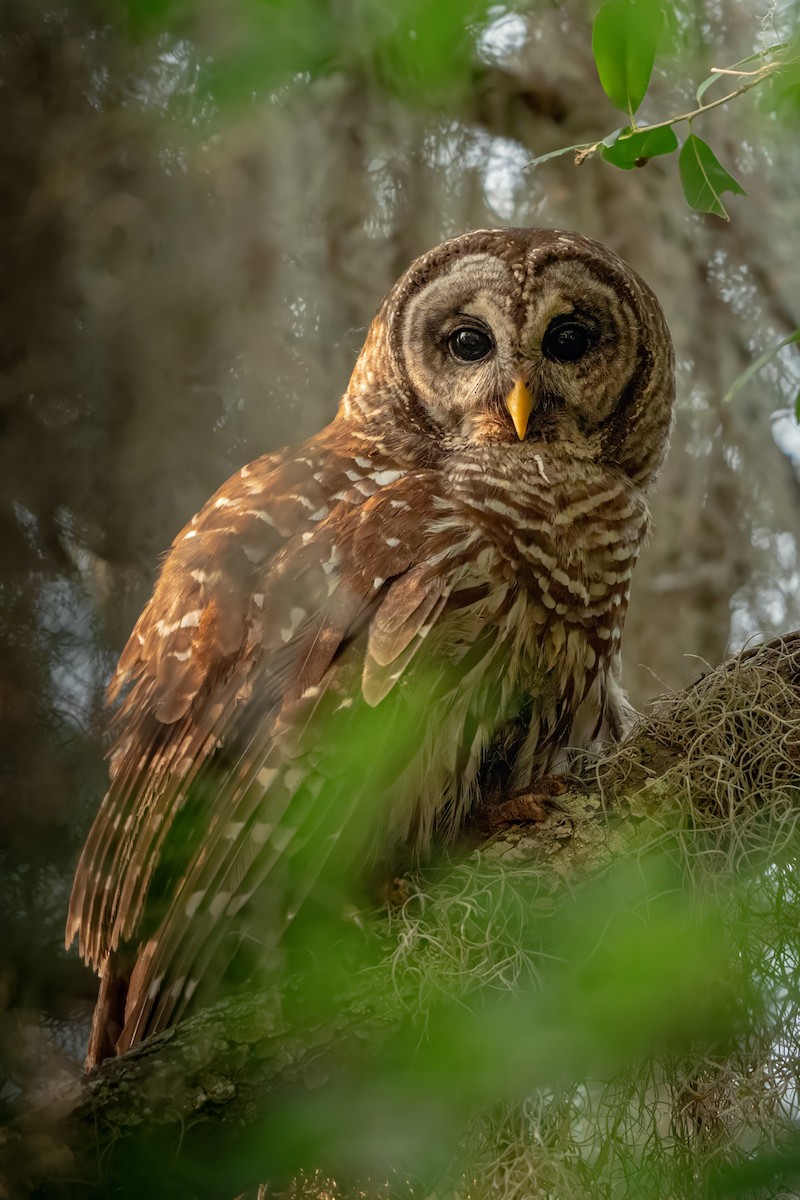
(420, 51)
(643, 964)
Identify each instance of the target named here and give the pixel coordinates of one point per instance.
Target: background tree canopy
(201, 205)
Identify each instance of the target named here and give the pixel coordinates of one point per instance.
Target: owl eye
(470, 345)
(567, 339)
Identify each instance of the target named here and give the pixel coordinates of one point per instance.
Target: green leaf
(756, 366)
(625, 38)
(634, 149)
(704, 178)
(797, 409)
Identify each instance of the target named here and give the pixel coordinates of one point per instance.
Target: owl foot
(531, 806)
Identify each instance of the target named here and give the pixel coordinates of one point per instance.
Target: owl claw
(532, 806)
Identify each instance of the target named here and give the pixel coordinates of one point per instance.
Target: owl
(349, 632)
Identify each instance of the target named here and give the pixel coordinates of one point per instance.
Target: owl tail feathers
(108, 1018)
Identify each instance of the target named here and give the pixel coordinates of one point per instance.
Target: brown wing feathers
(191, 652)
(350, 569)
(258, 825)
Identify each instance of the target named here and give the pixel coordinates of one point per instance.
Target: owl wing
(187, 662)
(273, 636)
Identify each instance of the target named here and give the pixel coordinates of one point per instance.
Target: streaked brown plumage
(441, 571)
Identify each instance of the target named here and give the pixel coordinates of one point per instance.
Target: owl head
(519, 338)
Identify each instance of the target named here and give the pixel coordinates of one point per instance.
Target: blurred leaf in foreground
(620, 968)
(417, 50)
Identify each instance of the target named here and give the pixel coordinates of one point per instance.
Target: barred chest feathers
(556, 553)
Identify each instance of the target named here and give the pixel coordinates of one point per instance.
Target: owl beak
(520, 405)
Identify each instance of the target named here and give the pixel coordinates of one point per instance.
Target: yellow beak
(520, 405)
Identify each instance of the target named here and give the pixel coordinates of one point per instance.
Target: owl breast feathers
(347, 631)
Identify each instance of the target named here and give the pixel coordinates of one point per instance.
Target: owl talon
(531, 806)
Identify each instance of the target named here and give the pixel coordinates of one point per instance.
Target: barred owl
(347, 632)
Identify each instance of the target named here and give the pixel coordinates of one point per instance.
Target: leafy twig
(592, 148)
